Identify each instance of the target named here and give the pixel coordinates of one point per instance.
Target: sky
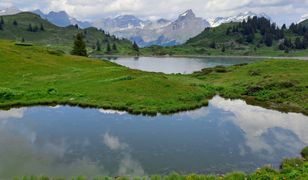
(281, 11)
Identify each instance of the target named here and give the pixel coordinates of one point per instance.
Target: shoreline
(304, 58)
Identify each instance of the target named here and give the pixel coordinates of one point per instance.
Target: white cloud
(257, 121)
(12, 113)
(280, 10)
(106, 111)
(129, 166)
(112, 142)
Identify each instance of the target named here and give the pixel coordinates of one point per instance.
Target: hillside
(305, 23)
(257, 36)
(17, 27)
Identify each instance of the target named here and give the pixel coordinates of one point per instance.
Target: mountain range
(146, 32)
(62, 19)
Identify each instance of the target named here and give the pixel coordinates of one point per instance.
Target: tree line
(80, 49)
(269, 32)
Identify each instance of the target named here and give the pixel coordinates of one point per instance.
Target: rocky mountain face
(61, 19)
(162, 32)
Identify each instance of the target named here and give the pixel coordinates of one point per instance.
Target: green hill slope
(305, 23)
(16, 27)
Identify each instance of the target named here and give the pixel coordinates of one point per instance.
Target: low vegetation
(34, 75)
(293, 168)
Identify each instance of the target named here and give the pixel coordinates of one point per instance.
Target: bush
(255, 72)
(235, 176)
(291, 163)
(304, 153)
(8, 94)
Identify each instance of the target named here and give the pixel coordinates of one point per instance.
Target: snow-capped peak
(189, 12)
(303, 18)
(214, 22)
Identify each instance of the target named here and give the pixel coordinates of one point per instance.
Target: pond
(183, 65)
(69, 141)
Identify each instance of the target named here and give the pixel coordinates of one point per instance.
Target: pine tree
(1, 27)
(42, 27)
(213, 45)
(136, 47)
(1, 21)
(30, 29)
(23, 40)
(223, 49)
(298, 44)
(15, 23)
(114, 47)
(98, 46)
(79, 48)
(268, 39)
(35, 29)
(108, 48)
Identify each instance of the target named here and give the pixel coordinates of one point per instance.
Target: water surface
(184, 65)
(68, 141)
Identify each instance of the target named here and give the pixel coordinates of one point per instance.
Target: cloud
(22, 153)
(12, 113)
(128, 166)
(104, 111)
(112, 142)
(257, 122)
(280, 10)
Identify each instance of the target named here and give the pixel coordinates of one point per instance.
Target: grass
(275, 84)
(34, 75)
(294, 168)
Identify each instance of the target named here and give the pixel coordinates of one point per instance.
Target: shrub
(291, 163)
(235, 176)
(255, 72)
(304, 153)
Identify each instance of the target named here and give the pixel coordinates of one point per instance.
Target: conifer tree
(108, 48)
(42, 27)
(79, 48)
(98, 45)
(15, 23)
(136, 47)
(1, 21)
(30, 28)
(114, 47)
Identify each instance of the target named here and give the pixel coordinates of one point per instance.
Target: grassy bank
(275, 84)
(33, 75)
(294, 168)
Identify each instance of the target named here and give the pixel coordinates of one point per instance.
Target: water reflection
(257, 123)
(176, 64)
(68, 141)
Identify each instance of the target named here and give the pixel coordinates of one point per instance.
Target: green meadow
(35, 75)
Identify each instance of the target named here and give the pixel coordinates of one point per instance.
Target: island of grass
(293, 168)
(34, 75)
